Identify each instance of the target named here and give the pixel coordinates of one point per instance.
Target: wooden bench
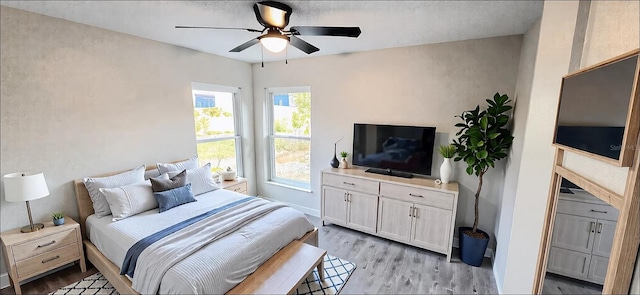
(284, 271)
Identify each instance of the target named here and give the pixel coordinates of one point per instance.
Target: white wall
(612, 29)
(552, 62)
(512, 167)
(421, 85)
(78, 101)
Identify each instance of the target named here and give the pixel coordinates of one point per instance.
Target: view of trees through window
(215, 129)
(292, 136)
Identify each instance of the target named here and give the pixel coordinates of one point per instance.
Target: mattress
(217, 267)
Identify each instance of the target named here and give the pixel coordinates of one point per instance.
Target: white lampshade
(25, 186)
(274, 43)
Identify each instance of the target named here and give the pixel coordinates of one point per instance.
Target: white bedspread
(235, 256)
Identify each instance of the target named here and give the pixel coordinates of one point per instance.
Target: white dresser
(414, 211)
(582, 237)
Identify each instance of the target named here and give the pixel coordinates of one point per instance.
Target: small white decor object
(229, 174)
(445, 170)
(447, 151)
(344, 164)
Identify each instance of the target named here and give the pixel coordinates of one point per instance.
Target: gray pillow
(201, 179)
(94, 184)
(165, 183)
(190, 164)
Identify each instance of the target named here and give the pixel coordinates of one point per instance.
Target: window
(217, 117)
(289, 124)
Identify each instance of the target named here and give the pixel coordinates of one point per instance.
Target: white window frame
(270, 131)
(237, 117)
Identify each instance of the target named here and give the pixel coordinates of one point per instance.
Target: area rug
(336, 273)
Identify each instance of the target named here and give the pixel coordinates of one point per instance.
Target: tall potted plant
(483, 139)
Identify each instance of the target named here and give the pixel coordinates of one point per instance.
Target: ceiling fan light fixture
(274, 42)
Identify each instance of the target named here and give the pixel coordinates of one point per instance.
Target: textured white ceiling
(384, 24)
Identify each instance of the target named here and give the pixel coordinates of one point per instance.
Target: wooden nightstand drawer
(239, 188)
(44, 244)
(47, 261)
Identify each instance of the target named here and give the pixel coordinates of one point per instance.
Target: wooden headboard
(85, 206)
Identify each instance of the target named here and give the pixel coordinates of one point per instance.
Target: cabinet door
(569, 263)
(430, 228)
(362, 211)
(574, 233)
(598, 269)
(604, 238)
(394, 219)
(334, 205)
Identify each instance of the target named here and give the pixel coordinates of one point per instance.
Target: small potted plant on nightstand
(58, 218)
(343, 163)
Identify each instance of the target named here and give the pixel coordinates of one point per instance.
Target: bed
(214, 268)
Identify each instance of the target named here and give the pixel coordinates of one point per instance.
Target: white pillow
(190, 164)
(201, 179)
(93, 185)
(130, 200)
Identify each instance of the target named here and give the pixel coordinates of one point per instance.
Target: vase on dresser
(445, 170)
(334, 162)
(344, 164)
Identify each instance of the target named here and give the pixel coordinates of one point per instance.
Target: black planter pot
(472, 249)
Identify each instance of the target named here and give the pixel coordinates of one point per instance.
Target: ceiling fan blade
(326, 31)
(302, 45)
(219, 28)
(245, 45)
(272, 14)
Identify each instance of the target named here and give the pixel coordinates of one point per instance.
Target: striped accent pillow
(94, 184)
(201, 179)
(130, 200)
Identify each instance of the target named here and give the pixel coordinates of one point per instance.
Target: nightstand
(238, 185)
(30, 254)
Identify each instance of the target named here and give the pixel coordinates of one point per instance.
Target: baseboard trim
(305, 210)
(487, 253)
(4, 280)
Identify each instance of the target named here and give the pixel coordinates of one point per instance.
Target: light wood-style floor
(556, 284)
(383, 267)
(387, 267)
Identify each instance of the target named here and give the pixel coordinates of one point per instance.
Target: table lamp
(24, 187)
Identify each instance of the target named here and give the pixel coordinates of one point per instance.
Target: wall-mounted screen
(594, 108)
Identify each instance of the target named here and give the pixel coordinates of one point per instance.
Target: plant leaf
(482, 154)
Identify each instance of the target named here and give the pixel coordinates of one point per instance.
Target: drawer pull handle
(237, 189)
(592, 227)
(419, 196)
(598, 211)
(51, 259)
(47, 244)
(348, 183)
(411, 211)
(415, 212)
(599, 227)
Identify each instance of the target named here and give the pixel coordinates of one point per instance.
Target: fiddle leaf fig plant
(483, 139)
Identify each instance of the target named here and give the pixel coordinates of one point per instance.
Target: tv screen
(594, 106)
(399, 148)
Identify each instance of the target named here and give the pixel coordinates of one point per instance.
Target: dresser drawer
(351, 183)
(47, 261)
(417, 195)
(44, 244)
(605, 212)
(239, 188)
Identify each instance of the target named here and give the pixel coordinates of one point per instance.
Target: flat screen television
(594, 110)
(394, 149)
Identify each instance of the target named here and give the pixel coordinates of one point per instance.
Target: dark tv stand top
(389, 172)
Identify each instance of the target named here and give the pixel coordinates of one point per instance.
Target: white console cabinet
(414, 211)
(582, 237)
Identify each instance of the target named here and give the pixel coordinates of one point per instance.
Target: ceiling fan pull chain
(262, 55)
(286, 55)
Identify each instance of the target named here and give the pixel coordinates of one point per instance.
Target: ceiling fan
(274, 17)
